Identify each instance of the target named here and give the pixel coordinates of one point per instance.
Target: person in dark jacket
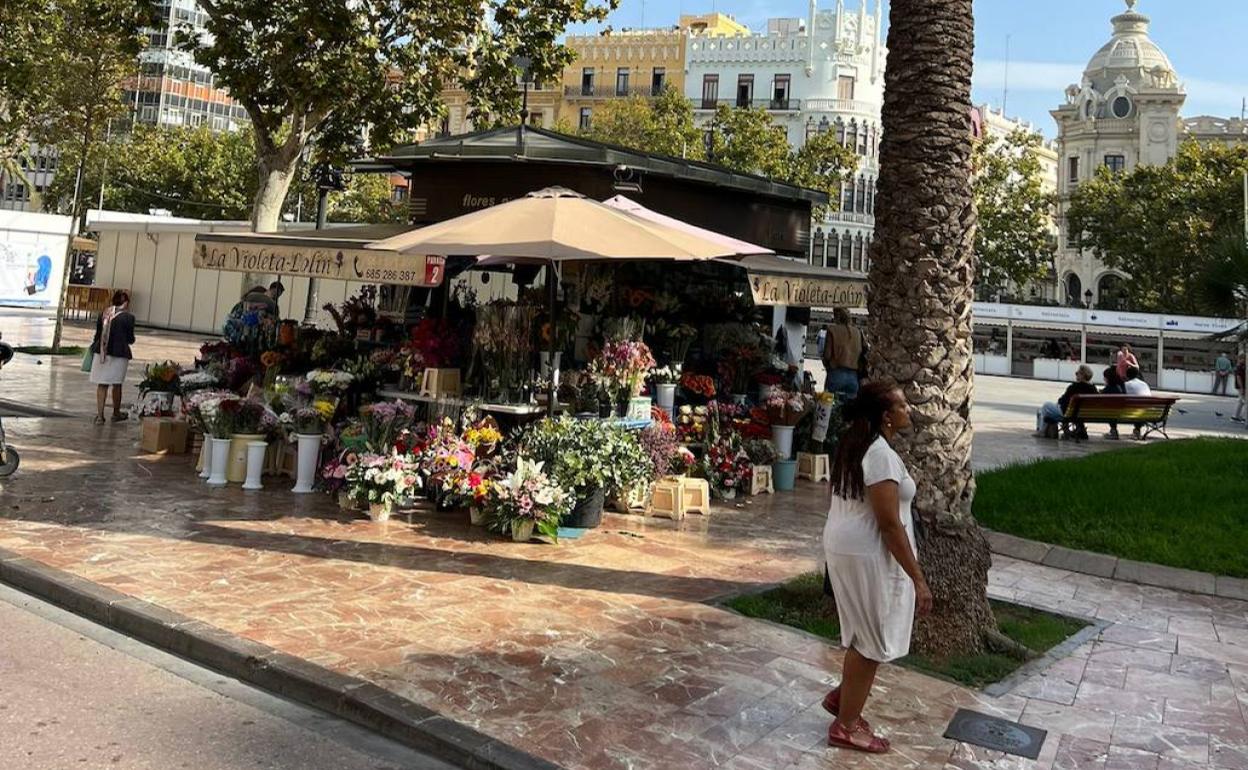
(110, 348)
(1052, 415)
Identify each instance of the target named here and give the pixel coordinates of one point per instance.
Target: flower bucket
(784, 475)
(522, 531)
(308, 457)
(476, 516)
(587, 513)
(255, 464)
(220, 458)
(379, 511)
(782, 439)
(236, 465)
(205, 457)
(665, 396)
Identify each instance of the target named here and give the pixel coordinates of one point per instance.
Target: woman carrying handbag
(110, 354)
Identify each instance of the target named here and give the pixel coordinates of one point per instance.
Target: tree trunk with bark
(277, 171)
(920, 294)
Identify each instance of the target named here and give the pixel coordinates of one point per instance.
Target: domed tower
(1123, 112)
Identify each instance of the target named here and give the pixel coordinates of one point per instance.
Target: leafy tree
(1161, 224)
(745, 140)
(304, 69)
(198, 173)
(1014, 242)
(662, 125)
(97, 44)
(29, 29)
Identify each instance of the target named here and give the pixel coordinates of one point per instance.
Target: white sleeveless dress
(874, 596)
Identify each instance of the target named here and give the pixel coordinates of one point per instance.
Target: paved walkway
(602, 652)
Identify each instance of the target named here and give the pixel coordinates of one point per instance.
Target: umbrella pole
(552, 290)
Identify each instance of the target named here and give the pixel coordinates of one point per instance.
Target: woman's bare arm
(885, 501)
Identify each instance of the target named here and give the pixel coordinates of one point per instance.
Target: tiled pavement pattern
(601, 652)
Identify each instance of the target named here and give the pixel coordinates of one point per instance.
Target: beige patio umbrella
(557, 225)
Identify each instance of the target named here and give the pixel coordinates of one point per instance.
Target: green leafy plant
(585, 455)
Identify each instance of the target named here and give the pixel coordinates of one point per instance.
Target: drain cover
(996, 734)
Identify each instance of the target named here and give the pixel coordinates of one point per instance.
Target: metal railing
(777, 105)
(611, 92)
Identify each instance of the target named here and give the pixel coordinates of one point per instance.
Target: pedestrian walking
(1222, 368)
(872, 566)
(110, 354)
(1125, 360)
(1240, 372)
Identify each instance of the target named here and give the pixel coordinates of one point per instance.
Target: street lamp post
(328, 179)
(1087, 299)
(524, 64)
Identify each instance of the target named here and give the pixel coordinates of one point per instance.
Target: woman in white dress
(873, 569)
(110, 348)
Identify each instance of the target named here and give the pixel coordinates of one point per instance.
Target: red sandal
(860, 738)
(832, 702)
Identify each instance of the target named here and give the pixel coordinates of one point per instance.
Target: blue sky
(1050, 41)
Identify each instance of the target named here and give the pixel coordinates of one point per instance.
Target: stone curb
(1101, 565)
(352, 699)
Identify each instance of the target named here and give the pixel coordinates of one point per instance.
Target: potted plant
(199, 423)
(253, 422)
(380, 480)
(480, 483)
(727, 467)
(664, 380)
(785, 409)
(620, 368)
(158, 387)
(589, 459)
(307, 422)
(382, 423)
(445, 462)
(524, 501)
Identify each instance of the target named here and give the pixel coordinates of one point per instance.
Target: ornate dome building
(1124, 112)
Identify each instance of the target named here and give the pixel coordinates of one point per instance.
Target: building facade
(1124, 112)
(620, 65)
(24, 192)
(818, 74)
(171, 89)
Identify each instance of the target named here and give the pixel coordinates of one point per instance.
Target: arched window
(840, 131)
(852, 142)
(856, 265)
(860, 205)
(1110, 292)
(1074, 291)
(846, 243)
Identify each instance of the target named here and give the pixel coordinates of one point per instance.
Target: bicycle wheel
(11, 460)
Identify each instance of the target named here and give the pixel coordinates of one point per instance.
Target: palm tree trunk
(920, 294)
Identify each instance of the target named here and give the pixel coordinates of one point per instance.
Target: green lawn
(1179, 503)
(44, 350)
(800, 603)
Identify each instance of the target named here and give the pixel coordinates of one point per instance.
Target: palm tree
(920, 294)
(1222, 287)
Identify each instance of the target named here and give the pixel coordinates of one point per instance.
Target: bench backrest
(1120, 407)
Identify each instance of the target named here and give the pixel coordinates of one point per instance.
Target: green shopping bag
(87, 358)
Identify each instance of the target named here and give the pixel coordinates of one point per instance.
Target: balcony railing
(777, 105)
(611, 92)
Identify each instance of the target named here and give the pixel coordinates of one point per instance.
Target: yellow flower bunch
(325, 409)
(482, 434)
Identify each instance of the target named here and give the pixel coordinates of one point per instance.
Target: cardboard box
(164, 434)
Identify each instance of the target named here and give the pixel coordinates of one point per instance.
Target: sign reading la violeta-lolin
(805, 291)
(325, 262)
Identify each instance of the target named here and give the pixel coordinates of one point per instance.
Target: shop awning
(337, 253)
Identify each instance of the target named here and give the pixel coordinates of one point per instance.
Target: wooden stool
(760, 482)
(814, 467)
(668, 499)
(696, 494)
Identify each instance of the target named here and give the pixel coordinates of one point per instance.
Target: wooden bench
(87, 300)
(1149, 412)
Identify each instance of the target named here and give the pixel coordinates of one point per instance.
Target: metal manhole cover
(996, 734)
(17, 409)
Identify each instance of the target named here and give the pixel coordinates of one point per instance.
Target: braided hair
(865, 416)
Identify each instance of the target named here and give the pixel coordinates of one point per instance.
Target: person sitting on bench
(1133, 385)
(1051, 415)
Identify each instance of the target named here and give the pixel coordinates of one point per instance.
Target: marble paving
(606, 651)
